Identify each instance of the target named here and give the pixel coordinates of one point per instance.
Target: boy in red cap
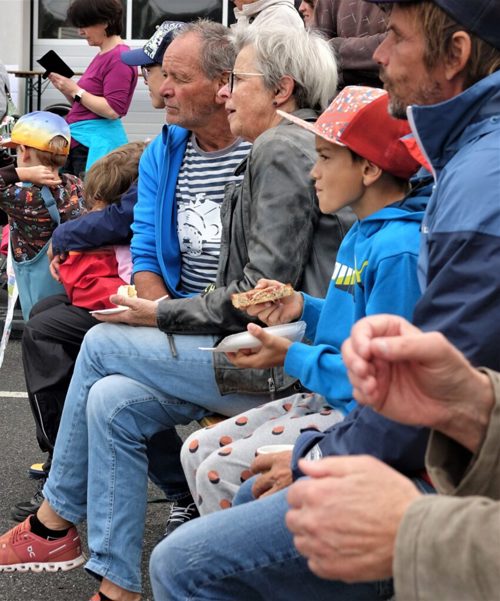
(363, 164)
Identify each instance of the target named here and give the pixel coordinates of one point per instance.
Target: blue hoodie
(460, 255)
(376, 272)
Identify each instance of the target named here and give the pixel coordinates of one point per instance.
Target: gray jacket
(269, 223)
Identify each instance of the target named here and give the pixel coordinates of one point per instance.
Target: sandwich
(241, 300)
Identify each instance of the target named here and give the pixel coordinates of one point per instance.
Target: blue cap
(481, 17)
(153, 50)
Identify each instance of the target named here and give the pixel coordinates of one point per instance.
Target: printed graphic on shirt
(199, 194)
(346, 277)
(199, 225)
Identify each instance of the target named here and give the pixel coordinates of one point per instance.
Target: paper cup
(274, 448)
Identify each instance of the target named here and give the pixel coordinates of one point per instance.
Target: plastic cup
(274, 448)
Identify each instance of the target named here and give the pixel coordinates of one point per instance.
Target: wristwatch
(77, 96)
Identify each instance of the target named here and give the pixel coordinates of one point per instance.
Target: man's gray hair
(303, 55)
(217, 51)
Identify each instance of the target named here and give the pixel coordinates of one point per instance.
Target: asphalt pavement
(19, 450)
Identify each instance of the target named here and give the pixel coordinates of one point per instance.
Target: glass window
(52, 18)
(52, 22)
(147, 14)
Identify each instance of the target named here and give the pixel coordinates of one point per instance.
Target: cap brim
(8, 143)
(136, 58)
(300, 122)
(307, 125)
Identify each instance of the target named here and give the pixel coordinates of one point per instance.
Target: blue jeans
(245, 552)
(244, 494)
(125, 389)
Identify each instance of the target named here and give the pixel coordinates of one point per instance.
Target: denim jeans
(245, 552)
(126, 388)
(244, 494)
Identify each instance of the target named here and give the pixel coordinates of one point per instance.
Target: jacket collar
(305, 114)
(174, 131)
(442, 129)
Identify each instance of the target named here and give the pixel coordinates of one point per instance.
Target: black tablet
(53, 63)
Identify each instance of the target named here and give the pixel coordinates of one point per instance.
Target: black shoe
(180, 514)
(22, 510)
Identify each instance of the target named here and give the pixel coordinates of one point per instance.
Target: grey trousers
(216, 459)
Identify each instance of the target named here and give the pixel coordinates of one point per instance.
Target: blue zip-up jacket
(98, 228)
(378, 273)
(155, 244)
(375, 272)
(460, 254)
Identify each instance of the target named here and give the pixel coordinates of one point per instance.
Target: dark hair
(356, 158)
(399, 181)
(85, 13)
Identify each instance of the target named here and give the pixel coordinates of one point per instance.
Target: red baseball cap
(358, 118)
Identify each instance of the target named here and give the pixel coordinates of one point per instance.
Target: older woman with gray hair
(274, 69)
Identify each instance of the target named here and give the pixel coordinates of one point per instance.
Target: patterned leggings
(216, 459)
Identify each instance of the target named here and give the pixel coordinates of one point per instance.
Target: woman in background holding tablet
(104, 92)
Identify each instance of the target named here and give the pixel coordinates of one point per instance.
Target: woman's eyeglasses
(235, 76)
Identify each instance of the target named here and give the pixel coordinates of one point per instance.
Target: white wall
(14, 32)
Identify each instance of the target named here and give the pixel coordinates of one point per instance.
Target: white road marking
(7, 394)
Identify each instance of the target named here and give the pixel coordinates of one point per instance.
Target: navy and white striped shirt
(199, 195)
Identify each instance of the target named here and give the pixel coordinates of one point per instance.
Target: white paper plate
(121, 308)
(109, 311)
(293, 331)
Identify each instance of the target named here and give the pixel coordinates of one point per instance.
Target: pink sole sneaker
(23, 551)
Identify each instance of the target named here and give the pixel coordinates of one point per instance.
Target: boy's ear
(371, 173)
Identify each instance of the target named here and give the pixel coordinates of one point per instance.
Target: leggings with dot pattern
(216, 459)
